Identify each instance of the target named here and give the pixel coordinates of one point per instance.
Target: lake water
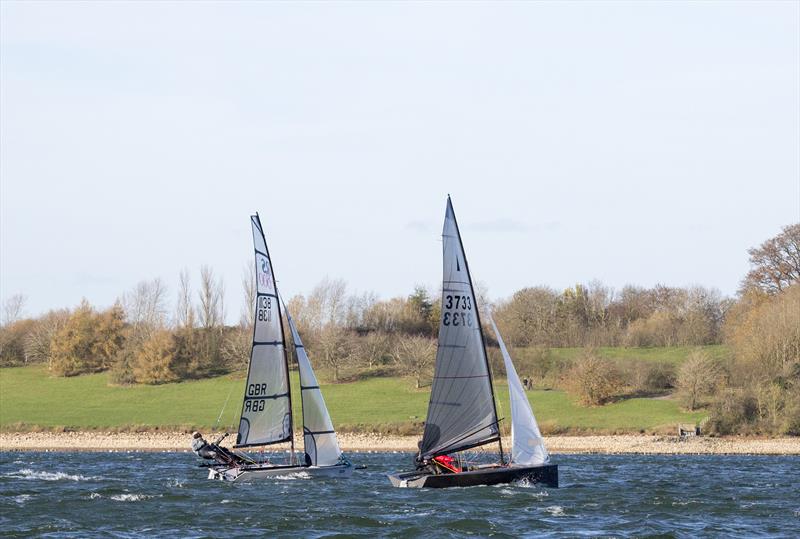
(166, 495)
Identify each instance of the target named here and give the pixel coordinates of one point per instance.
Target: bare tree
(212, 296)
(775, 264)
(373, 347)
(37, 344)
(13, 308)
(415, 354)
(247, 317)
(335, 347)
(698, 377)
(145, 307)
(185, 312)
(236, 347)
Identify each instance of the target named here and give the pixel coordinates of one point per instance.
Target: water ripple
(166, 495)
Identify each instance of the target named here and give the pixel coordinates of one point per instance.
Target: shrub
(734, 410)
(154, 362)
(593, 379)
(650, 376)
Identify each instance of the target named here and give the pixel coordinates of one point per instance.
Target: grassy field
(31, 398)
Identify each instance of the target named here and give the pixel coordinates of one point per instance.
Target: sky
(634, 143)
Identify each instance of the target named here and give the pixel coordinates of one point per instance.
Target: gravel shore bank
(637, 444)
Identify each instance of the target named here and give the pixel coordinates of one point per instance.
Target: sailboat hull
(546, 475)
(260, 472)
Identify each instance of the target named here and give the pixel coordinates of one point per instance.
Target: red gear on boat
(447, 462)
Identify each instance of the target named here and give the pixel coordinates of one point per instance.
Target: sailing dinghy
(462, 414)
(266, 417)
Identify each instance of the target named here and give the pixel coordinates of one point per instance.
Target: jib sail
(267, 409)
(319, 437)
(527, 444)
(461, 412)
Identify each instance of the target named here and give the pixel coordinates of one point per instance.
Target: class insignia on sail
(462, 414)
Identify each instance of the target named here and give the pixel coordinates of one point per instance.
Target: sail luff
(480, 326)
(266, 416)
(285, 352)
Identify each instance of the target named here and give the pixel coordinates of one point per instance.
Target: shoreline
(350, 442)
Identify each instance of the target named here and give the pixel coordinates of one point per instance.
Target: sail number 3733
(457, 311)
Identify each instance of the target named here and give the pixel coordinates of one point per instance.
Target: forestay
(320, 440)
(266, 411)
(461, 412)
(527, 444)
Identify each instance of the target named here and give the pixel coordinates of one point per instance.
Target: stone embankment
(617, 444)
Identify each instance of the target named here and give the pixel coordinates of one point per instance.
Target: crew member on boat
(448, 463)
(213, 451)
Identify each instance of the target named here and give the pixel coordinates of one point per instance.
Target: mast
(285, 354)
(480, 328)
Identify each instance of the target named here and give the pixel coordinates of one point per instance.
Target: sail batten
(461, 410)
(266, 407)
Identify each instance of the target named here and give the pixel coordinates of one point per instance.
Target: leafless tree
(698, 377)
(185, 312)
(415, 354)
(335, 347)
(236, 347)
(246, 318)
(13, 308)
(212, 296)
(145, 307)
(373, 347)
(37, 343)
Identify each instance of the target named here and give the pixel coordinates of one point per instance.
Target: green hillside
(31, 398)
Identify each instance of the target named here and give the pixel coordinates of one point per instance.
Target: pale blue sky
(627, 142)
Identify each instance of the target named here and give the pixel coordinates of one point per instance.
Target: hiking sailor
(213, 451)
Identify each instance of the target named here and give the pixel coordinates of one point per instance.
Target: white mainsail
(527, 444)
(320, 440)
(267, 407)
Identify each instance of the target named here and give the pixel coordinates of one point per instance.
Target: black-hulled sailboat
(462, 414)
(266, 417)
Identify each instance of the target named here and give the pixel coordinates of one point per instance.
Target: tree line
(140, 339)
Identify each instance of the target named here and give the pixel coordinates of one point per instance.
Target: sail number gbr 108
(264, 309)
(457, 311)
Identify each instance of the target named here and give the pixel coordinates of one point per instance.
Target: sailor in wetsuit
(213, 451)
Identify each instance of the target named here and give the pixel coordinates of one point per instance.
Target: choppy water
(164, 494)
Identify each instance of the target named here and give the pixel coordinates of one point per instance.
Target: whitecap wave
(555, 510)
(27, 473)
(293, 476)
(132, 497)
(22, 498)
